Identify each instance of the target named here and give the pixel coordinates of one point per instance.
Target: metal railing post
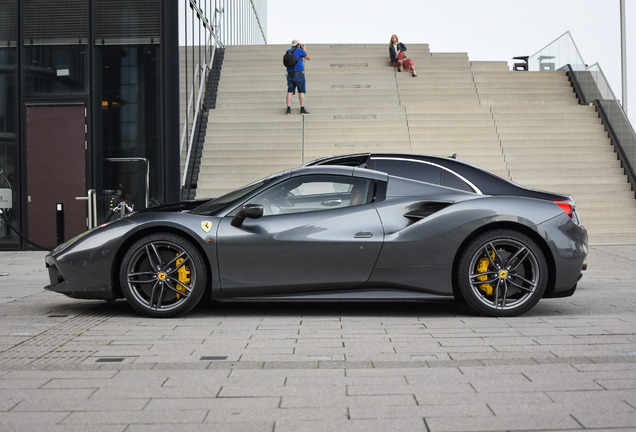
(91, 203)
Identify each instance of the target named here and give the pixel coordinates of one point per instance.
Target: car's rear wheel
(502, 273)
(163, 275)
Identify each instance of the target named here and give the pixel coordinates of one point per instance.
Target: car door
(316, 231)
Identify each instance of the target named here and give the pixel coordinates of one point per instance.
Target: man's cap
(295, 42)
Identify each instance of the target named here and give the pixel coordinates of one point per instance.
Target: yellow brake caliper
(183, 275)
(482, 267)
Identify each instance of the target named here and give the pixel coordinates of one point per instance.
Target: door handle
(363, 234)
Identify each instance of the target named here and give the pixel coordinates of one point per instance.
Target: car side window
(410, 169)
(421, 171)
(313, 193)
(451, 180)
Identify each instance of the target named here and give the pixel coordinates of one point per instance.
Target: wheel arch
(117, 291)
(536, 237)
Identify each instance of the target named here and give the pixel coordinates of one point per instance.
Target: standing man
(296, 76)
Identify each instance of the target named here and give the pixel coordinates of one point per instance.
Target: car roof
(340, 170)
(445, 161)
(483, 180)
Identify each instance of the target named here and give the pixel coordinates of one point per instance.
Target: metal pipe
(623, 57)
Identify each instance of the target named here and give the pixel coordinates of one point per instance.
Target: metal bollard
(59, 223)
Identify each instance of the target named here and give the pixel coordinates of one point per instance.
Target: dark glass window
(8, 92)
(126, 38)
(421, 171)
(127, 91)
(55, 44)
(54, 70)
(9, 169)
(451, 180)
(410, 169)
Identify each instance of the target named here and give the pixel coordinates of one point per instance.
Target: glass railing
(562, 54)
(558, 53)
(596, 89)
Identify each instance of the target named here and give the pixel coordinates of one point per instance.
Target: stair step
(592, 164)
(579, 150)
(595, 190)
(609, 205)
(566, 180)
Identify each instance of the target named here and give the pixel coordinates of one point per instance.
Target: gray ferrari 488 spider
(331, 232)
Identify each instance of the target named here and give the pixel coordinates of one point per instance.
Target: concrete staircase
(526, 126)
(550, 142)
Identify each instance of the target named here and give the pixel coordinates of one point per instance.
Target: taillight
(566, 206)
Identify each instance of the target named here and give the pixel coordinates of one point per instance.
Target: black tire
(163, 275)
(501, 273)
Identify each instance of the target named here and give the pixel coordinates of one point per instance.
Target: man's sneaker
(288, 112)
(304, 111)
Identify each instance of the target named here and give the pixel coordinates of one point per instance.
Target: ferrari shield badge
(206, 226)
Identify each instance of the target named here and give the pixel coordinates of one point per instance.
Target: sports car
(330, 233)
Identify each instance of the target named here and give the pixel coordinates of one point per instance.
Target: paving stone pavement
(77, 365)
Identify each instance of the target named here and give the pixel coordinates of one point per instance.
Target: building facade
(90, 106)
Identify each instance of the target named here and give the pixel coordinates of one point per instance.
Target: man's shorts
(296, 80)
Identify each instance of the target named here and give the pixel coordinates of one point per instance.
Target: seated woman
(398, 57)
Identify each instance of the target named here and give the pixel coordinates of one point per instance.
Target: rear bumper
(569, 248)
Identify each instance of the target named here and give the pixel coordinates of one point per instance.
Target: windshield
(214, 206)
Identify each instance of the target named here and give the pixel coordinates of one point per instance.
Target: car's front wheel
(163, 275)
(502, 273)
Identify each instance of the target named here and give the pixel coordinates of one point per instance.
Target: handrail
(204, 76)
(210, 43)
(622, 155)
(185, 121)
(578, 90)
(192, 131)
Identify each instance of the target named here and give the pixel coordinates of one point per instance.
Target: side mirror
(252, 211)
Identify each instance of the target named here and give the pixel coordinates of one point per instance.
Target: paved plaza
(78, 365)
